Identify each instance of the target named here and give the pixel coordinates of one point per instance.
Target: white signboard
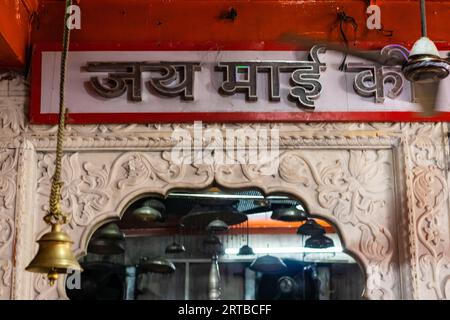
(227, 85)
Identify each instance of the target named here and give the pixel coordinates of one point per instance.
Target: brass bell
(54, 255)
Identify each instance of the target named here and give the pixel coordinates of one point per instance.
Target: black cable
(343, 18)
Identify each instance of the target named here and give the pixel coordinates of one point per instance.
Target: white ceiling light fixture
(424, 67)
(286, 250)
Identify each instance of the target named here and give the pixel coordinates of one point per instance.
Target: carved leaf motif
(42, 287)
(136, 170)
(352, 191)
(7, 179)
(293, 169)
(169, 171)
(380, 281)
(447, 288)
(89, 203)
(375, 242)
(96, 178)
(435, 273)
(423, 146)
(5, 275)
(6, 230)
(429, 187)
(430, 192)
(13, 119)
(72, 197)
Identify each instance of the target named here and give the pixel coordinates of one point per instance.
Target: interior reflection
(217, 244)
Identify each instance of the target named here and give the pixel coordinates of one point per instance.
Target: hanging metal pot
(217, 226)
(268, 264)
(289, 214)
(151, 210)
(202, 216)
(156, 265)
(110, 231)
(246, 250)
(106, 246)
(175, 247)
(319, 241)
(108, 240)
(310, 228)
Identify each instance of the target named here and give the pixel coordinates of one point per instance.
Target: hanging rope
(55, 215)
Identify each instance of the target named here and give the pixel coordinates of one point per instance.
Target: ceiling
(177, 207)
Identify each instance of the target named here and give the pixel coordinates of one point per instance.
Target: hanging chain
(55, 215)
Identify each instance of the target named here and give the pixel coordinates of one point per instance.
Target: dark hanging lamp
(175, 247)
(55, 254)
(310, 228)
(107, 241)
(212, 239)
(111, 231)
(151, 210)
(319, 241)
(246, 250)
(289, 214)
(156, 265)
(202, 216)
(217, 226)
(105, 246)
(268, 264)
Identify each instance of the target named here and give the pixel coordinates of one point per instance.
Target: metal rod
(186, 281)
(225, 196)
(423, 18)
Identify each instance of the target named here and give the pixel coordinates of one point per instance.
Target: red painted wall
(125, 21)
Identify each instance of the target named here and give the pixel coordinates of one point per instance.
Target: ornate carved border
(383, 185)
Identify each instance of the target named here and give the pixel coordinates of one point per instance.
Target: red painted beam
(15, 28)
(140, 21)
(115, 21)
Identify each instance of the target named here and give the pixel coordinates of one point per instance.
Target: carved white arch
(317, 160)
(328, 185)
(134, 194)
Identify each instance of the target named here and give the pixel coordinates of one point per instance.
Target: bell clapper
(52, 277)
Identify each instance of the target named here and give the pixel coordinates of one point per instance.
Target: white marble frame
(400, 234)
